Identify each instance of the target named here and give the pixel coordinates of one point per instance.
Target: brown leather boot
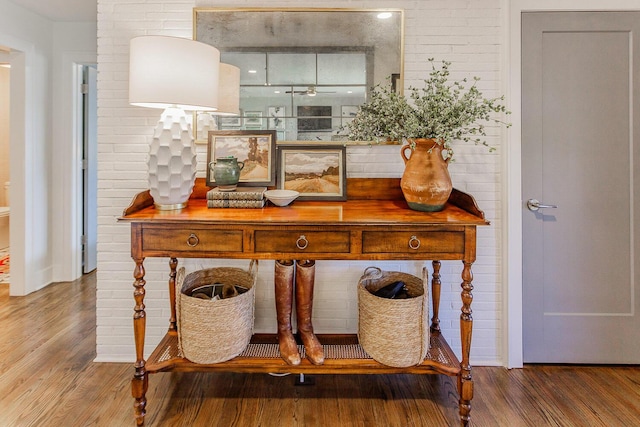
(283, 278)
(305, 278)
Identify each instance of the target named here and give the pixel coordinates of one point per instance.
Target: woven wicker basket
(215, 331)
(394, 332)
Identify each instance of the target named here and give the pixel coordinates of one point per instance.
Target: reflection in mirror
(303, 71)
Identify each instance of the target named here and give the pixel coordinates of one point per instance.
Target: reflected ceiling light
(252, 71)
(276, 91)
(384, 15)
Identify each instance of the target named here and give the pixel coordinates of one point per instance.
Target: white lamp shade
(172, 71)
(228, 90)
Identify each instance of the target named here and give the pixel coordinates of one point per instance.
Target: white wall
(465, 32)
(42, 54)
(30, 38)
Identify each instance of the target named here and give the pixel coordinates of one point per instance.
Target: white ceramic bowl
(281, 197)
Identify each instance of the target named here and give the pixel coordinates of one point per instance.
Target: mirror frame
(200, 11)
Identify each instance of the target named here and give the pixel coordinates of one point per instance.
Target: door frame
(512, 157)
(67, 175)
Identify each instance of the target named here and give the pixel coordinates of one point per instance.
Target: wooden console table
(374, 224)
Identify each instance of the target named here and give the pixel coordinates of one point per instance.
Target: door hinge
(84, 88)
(83, 239)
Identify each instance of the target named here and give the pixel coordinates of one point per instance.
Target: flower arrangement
(441, 110)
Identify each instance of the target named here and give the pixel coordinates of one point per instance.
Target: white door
(581, 152)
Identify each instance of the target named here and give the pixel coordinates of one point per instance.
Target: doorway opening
(89, 107)
(5, 211)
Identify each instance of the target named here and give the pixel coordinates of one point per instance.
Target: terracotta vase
(426, 183)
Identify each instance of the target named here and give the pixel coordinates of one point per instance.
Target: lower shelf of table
(343, 355)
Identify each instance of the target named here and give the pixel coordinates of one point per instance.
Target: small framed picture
(276, 118)
(256, 149)
(207, 120)
(313, 118)
(317, 171)
(253, 119)
(230, 121)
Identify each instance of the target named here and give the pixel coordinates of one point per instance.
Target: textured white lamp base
(205, 121)
(172, 161)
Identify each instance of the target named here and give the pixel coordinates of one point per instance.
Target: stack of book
(242, 197)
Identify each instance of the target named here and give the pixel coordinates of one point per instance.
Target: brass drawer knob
(302, 242)
(192, 240)
(414, 242)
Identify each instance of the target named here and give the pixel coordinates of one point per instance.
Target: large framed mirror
(303, 72)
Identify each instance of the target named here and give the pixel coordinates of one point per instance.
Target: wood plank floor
(48, 378)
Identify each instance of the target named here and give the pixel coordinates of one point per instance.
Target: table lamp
(175, 74)
(228, 100)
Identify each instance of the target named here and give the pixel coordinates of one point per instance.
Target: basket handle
(425, 308)
(179, 280)
(253, 267)
(372, 272)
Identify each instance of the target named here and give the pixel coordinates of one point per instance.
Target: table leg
(465, 380)
(435, 296)
(173, 265)
(139, 384)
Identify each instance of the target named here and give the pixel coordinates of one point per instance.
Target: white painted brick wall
(466, 32)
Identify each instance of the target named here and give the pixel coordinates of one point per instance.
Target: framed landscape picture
(317, 171)
(253, 119)
(256, 149)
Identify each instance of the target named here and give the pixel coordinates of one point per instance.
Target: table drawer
(412, 241)
(302, 241)
(191, 239)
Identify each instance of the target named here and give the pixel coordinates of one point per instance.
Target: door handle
(534, 205)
